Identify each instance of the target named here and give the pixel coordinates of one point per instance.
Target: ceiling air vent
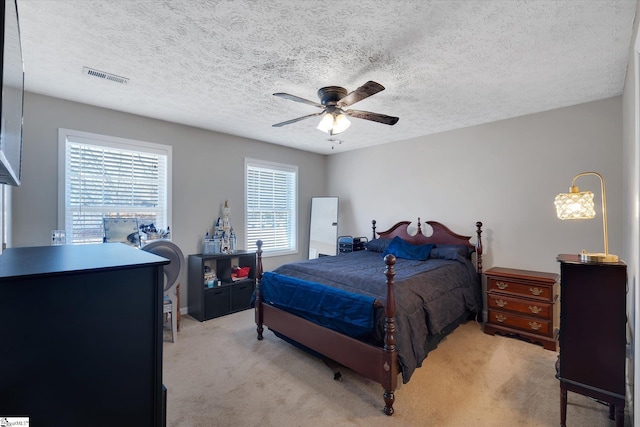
(103, 75)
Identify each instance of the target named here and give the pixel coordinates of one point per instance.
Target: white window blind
(271, 200)
(112, 177)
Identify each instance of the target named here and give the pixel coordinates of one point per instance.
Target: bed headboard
(441, 234)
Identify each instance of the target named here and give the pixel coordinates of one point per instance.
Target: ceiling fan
(333, 100)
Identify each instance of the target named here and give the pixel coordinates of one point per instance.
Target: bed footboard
(378, 364)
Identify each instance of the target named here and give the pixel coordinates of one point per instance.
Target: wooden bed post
(258, 301)
(479, 248)
(390, 365)
(373, 227)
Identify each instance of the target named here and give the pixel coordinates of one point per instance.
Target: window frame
(255, 163)
(75, 136)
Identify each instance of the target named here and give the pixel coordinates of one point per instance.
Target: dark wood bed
(379, 364)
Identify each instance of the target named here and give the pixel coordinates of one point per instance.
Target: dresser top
(575, 259)
(44, 260)
(523, 274)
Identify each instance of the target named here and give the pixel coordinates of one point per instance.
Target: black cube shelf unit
(230, 294)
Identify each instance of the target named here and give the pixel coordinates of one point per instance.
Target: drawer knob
(501, 302)
(535, 325)
(501, 318)
(535, 291)
(535, 309)
(502, 285)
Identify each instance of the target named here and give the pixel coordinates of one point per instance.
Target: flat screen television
(12, 67)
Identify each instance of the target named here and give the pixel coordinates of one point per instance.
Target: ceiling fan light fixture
(332, 101)
(333, 123)
(340, 124)
(326, 123)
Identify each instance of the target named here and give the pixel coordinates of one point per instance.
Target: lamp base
(597, 257)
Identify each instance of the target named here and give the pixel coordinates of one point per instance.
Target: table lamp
(579, 205)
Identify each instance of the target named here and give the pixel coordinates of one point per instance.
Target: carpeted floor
(219, 374)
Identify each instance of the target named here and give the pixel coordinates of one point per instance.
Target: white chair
(169, 250)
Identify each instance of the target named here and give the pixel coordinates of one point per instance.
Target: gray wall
(208, 168)
(505, 174)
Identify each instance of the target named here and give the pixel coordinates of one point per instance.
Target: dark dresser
(592, 333)
(81, 335)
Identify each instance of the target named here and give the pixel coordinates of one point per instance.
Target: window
(271, 200)
(106, 176)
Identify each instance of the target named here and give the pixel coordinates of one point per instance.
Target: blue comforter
(430, 295)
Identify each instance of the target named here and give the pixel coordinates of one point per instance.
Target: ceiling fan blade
(366, 115)
(364, 91)
(298, 99)
(288, 122)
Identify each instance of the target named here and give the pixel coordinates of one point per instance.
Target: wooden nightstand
(523, 303)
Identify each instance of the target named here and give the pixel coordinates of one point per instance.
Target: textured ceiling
(216, 64)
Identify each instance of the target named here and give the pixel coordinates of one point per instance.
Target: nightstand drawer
(536, 309)
(524, 323)
(532, 290)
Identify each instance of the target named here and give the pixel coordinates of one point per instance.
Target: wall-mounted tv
(12, 67)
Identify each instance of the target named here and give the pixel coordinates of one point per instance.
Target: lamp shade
(340, 124)
(333, 123)
(575, 205)
(326, 123)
